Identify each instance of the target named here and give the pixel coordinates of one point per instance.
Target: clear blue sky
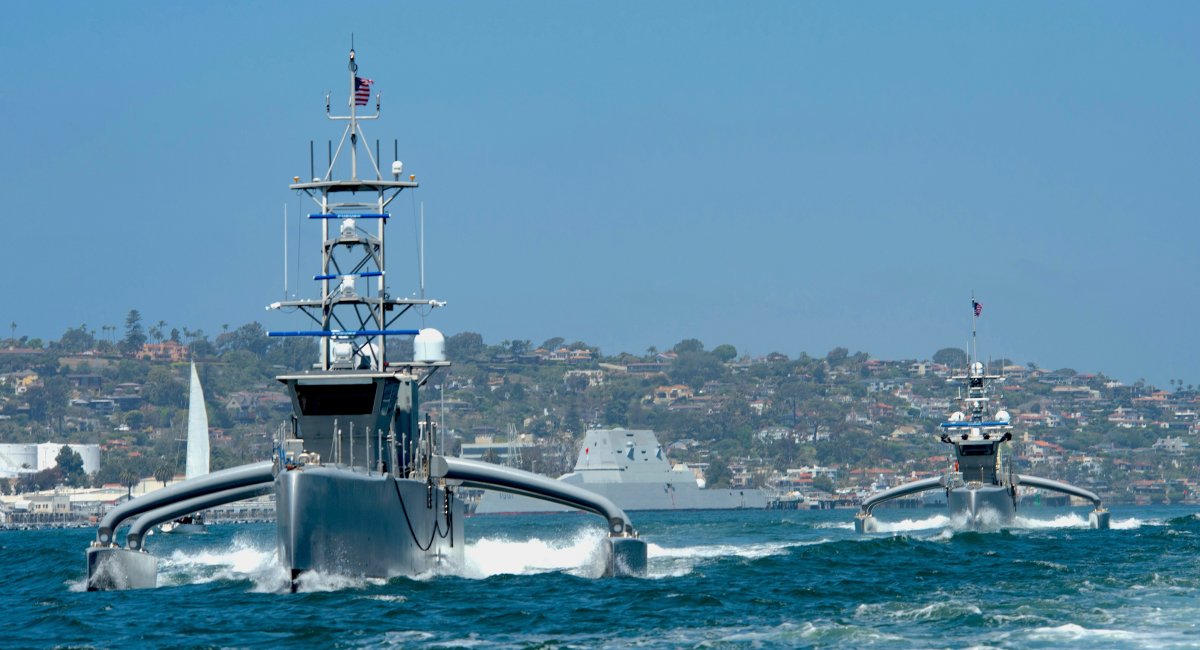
(781, 176)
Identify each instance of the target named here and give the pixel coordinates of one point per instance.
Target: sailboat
(197, 455)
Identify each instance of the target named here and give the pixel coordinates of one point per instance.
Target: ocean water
(717, 579)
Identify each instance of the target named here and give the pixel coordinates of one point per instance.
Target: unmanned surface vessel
(358, 487)
(981, 488)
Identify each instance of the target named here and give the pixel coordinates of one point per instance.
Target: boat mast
(344, 316)
(975, 309)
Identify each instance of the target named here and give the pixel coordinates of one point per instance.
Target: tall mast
(974, 318)
(353, 95)
(353, 320)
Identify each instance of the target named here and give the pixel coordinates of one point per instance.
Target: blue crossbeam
(346, 333)
(366, 216)
(334, 276)
(960, 425)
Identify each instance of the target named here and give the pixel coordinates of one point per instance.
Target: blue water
(717, 579)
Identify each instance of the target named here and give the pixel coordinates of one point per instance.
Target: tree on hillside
(576, 383)
(718, 474)
(837, 355)
(250, 337)
(293, 352)
(163, 389)
(70, 464)
(135, 336)
(953, 357)
(694, 368)
(50, 400)
(725, 352)
(43, 480)
(464, 346)
(77, 339)
(688, 345)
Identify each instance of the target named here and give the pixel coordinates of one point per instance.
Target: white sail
(197, 434)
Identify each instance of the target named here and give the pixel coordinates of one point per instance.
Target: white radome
(429, 345)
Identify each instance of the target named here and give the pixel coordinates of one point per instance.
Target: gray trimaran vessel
(359, 489)
(981, 489)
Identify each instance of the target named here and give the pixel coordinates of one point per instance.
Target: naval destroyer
(981, 487)
(630, 467)
(359, 489)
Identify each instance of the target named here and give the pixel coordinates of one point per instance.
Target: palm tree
(128, 479)
(164, 472)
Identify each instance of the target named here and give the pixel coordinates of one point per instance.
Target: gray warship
(630, 468)
(359, 489)
(981, 488)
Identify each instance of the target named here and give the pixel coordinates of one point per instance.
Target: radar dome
(957, 416)
(1002, 416)
(429, 345)
(342, 351)
(977, 368)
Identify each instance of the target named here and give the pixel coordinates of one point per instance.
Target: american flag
(977, 306)
(362, 91)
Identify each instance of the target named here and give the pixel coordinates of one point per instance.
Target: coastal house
(1173, 445)
(171, 351)
(648, 368)
(773, 434)
(23, 380)
(85, 383)
(1126, 418)
(593, 377)
(903, 431)
(669, 394)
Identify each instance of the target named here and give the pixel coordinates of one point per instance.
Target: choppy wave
(581, 554)
(718, 579)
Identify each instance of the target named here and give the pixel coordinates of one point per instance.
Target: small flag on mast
(362, 91)
(977, 306)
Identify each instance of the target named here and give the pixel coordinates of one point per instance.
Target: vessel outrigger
(981, 488)
(359, 489)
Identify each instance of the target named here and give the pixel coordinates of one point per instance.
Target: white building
(21, 458)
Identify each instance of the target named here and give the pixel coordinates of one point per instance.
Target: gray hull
(988, 506)
(337, 521)
(630, 468)
(112, 568)
(634, 497)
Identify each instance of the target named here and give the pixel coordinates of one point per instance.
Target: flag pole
(974, 319)
(353, 122)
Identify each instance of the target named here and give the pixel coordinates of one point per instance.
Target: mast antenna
(285, 250)
(975, 309)
(421, 249)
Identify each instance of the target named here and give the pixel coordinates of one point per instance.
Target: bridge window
(345, 399)
(977, 450)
